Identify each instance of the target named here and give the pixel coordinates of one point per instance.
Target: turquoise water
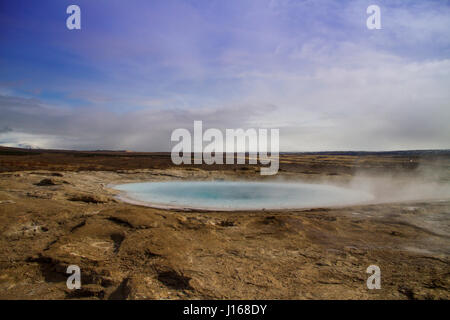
(241, 195)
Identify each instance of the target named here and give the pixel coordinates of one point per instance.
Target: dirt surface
(56, 210)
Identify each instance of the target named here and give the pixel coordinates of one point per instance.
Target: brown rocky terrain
(57, 209)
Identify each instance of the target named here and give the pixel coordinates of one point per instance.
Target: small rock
(226, 223)
(47, 182)
(40, 195)
(89, 198)
(57, 174)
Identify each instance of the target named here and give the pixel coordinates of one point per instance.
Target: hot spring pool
(223, 195)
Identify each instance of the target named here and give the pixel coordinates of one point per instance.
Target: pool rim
(123, 196)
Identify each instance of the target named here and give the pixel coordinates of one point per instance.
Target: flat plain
(57, 209)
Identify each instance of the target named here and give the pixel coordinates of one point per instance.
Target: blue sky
(139, 69)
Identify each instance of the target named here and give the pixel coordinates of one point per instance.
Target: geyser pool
(232, 195)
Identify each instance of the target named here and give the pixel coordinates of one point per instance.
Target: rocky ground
(52, 219)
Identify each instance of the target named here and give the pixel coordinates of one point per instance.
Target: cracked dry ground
(50, 220)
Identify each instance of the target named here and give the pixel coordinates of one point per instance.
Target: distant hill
(34, 149)
(323, 163)
(387, 153)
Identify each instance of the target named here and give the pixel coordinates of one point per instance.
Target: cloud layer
(310, 68)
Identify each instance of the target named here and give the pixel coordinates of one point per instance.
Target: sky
(139, 69)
